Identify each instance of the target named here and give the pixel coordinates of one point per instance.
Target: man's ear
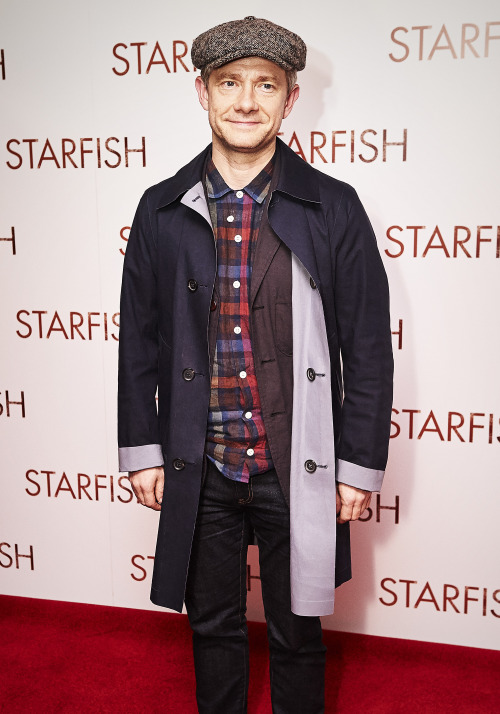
(290, 100)
(202, 92)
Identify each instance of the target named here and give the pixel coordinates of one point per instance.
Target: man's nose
(246, 100)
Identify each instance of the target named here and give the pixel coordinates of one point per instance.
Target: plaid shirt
(236, 436)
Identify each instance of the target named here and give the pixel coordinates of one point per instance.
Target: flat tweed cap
(251, 37)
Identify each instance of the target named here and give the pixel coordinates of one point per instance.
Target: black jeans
(216, 600)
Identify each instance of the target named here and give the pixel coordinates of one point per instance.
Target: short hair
(291, 77)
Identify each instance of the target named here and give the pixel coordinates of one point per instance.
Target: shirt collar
(257, 189)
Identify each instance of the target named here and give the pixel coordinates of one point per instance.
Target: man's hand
(147, 485)
(351, 502)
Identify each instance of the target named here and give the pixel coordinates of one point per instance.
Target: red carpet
(67, 657)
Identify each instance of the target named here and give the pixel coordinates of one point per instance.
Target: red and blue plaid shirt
(236, 436)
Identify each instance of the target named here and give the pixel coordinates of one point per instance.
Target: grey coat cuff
(359, 476)
(135, 458)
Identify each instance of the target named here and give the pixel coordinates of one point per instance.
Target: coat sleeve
(363, 323)
(138, 433)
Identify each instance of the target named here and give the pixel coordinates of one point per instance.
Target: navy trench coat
(163, 333)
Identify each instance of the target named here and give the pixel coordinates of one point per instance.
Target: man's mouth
(244, 123)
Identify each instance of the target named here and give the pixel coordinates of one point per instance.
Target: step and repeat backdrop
(399, 99)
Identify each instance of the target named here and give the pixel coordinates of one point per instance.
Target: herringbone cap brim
(251, 37)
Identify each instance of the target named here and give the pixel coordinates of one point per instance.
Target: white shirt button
(230, 219)
(237, 239)
(248, 415)
(243, 374)
(236, 284)
(239, 194)
(237, 329)
(250, 452)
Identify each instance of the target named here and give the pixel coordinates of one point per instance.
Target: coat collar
(297, 178)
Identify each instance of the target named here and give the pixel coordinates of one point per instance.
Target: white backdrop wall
(398, 98)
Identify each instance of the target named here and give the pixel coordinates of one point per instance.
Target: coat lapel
(285, 219)
(288, 219)
(297, 186)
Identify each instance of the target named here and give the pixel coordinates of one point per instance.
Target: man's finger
(366, 503)
(150, 499)
(359, 506)
(141, 497)
(345, 513)
(159, 491)
(357, 510)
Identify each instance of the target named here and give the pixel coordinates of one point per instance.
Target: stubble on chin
(244, 141)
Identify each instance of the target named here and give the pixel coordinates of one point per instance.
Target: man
(248, 277)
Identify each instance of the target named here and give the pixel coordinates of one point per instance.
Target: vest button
(313, 284)
(311, 374)
(192, 285)
(213, 305)
(310, 466)
(178, 464)
(188, 374)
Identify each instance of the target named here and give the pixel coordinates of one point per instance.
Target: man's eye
(267, 86)
(229, 83)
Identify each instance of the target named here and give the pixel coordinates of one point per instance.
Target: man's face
(246, 102)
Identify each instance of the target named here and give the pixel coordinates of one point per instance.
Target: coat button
(213, 305)
(310, 466)
(313, 284)
(192, 285)
(178, 464)
(311, 374)
(188, 374)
